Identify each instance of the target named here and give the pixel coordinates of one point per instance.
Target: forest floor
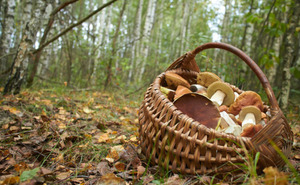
(89, 137)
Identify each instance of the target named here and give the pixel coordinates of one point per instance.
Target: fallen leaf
(11, 180)
(114, 153)
(103, 138)
(175, 179)
(14, 128)
(140, 171)
(110, 179)
(120, 166)
(120, 139)
(62, 126)
(62, 111)
(87, 110)
(15, 111)
(103, 168)
(273, 176)
(63, 175)
(20, 167)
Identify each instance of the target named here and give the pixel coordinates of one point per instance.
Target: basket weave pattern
(179, 143)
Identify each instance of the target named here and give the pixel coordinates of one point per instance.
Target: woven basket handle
(187, 61)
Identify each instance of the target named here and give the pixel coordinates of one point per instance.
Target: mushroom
(245, 99)
(200, 108)
(250, 116)
(228, 125)
(173, 80)
(198, 89)
(169, 93)
(220, 93)
(207, 78)
(181, 90)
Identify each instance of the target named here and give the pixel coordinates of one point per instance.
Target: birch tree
(149, 22)
(21, 60)
(290, 52)
(7, 28)
(135, 41)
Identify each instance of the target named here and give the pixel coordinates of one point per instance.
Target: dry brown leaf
(14, 128)
(120, 166)
(20, 167)
(110, 179)
(175, 180)
(273, 176)
(63, 175)
(103, 168)
(114, 153)
(45, 171)
(140, 171)
(11, 180)
(120, 139)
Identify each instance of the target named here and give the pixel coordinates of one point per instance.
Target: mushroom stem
(218, 97)
(249, 119)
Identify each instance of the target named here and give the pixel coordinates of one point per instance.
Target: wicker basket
(177, 142)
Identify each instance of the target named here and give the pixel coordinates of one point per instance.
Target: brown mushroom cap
(181, 90)
(200, 108)
(250, 130)
(207, 78)
(173, 80)
(245, 99)
(226, 89)
(250, 109)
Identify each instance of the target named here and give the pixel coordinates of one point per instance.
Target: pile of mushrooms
(214, 104)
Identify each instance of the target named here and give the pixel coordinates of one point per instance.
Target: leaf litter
(81, 138)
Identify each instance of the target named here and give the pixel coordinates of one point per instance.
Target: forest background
(73, 74)
(126, 44)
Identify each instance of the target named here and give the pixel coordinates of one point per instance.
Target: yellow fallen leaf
(273, 176)
(103, 138)
(114, 153)
(62, 111)
(87, 110)
(133, 139)
(62, 126)
(110, 178)
(15, 111)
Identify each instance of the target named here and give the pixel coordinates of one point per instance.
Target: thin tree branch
(73, 26)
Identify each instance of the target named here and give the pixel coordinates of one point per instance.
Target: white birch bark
(20, 65)
(184, 26)
(46, 57)
(7, 32)
(101, 29)
(135, 42)
(149, 22)
(289, 54)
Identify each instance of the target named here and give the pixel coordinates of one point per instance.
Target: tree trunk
(114, 42)
(135, 42)
(7, 32)
(289, 54)
(184, 24)
(49, 14)
(149, 22)
(20, 64)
